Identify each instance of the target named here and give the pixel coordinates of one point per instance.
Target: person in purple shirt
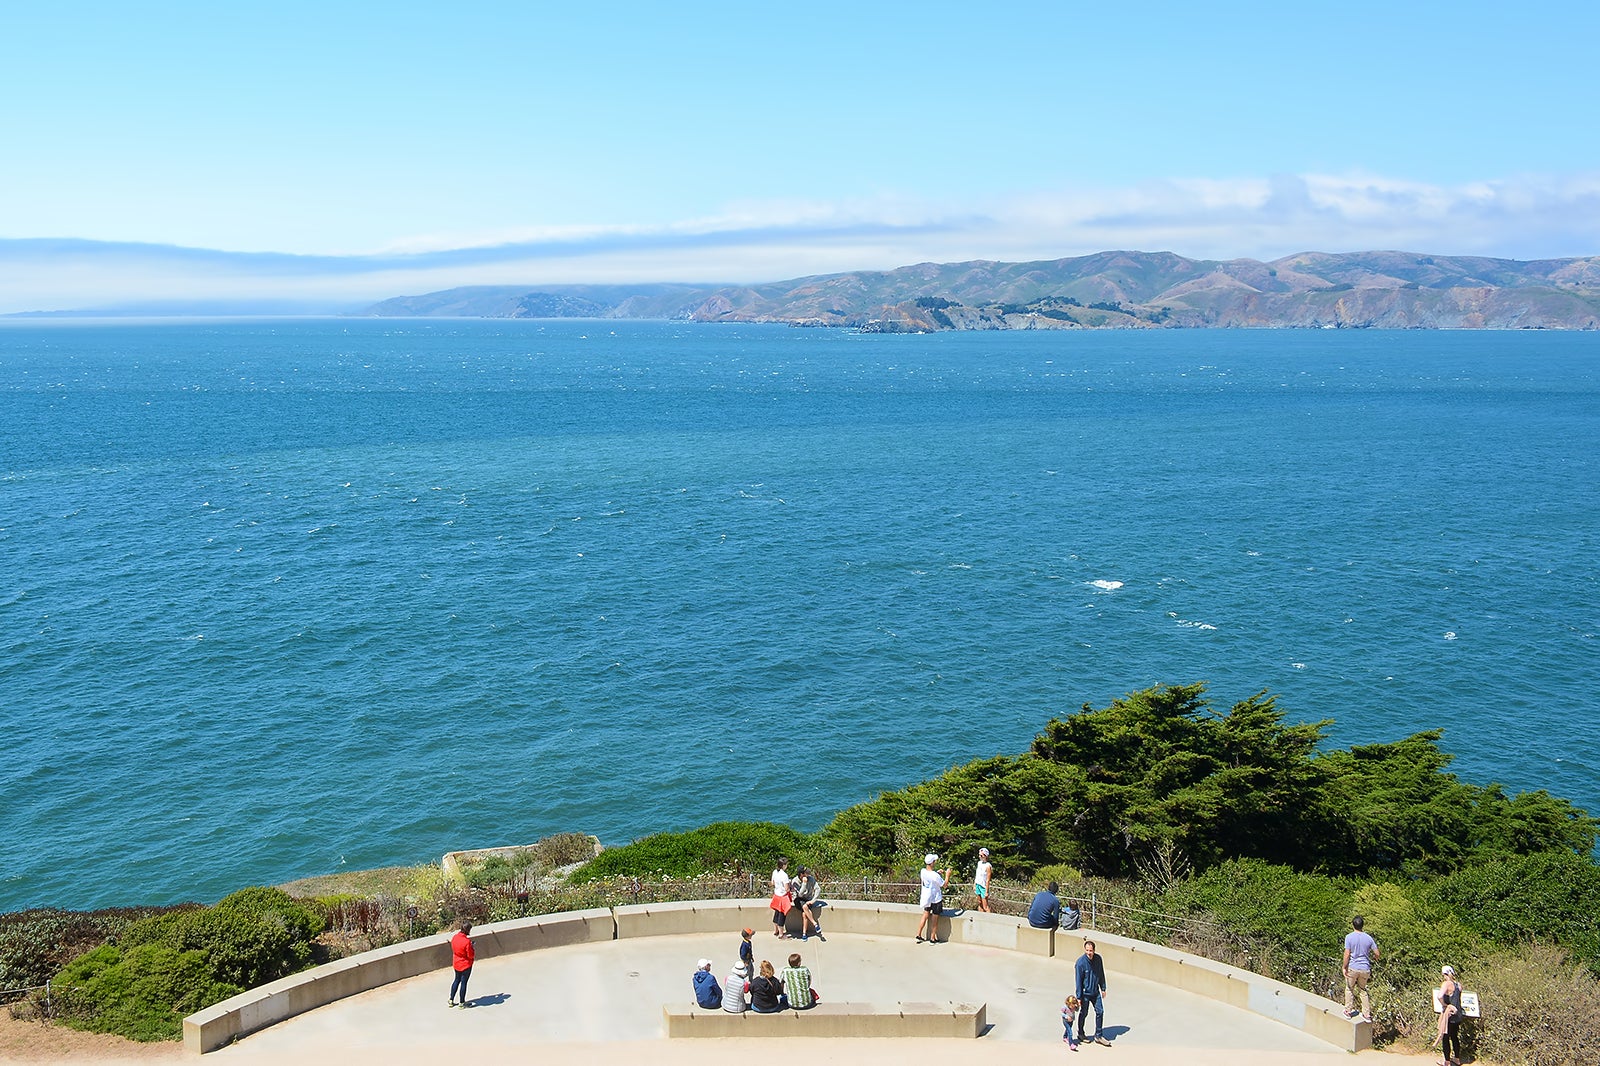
(1360, 951)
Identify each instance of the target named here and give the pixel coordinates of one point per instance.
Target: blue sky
(746, 142)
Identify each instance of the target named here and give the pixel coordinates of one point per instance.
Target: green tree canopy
(1106, 788)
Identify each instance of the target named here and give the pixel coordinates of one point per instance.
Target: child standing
(1069, 1018)
(747, 954)
(980, 880)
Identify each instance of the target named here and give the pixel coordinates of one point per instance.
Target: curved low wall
(1324, 1019)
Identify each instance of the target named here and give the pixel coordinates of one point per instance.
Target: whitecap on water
(1450, 635)
(1106, 586)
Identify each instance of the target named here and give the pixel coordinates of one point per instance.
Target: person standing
(1360, 952)
(1090, 980)
(1069, 1018)
(1450, 1018)
(462, 954)
(980, 881)
(780, 899)
(747, 954)
(933, 884)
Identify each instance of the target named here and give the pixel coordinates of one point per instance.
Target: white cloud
(1527, 217)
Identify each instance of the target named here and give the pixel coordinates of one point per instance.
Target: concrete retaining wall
(1322, 1018)
(258, 1008)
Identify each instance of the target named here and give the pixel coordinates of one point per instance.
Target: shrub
(1415, 931)
(1295, 922)
(35, 944)
(1552, 895)
(737, 847)
(564, 849)
(251, 937)
(172, 964)
(1540, 1008)
(494, 870)
(141, 993)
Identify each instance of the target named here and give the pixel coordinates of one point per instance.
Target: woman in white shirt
(780, 899)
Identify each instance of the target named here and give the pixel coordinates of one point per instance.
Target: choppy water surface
(281, 596)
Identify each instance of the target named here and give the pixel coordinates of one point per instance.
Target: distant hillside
(1118, 290)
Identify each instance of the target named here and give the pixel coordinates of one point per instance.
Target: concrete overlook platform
(600, 1000)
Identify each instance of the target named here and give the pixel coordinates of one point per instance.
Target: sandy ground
(37, 1042)
(32, 1042)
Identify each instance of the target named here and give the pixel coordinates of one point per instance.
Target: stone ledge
(936, 1020)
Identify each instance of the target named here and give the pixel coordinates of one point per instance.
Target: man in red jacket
(461, 948)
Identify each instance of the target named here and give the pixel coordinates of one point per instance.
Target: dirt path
(36, 1042)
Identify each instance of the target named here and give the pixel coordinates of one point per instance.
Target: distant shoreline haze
(1107, 290)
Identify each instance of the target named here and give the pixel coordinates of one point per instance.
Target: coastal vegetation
(1233, 834)
(142, 982)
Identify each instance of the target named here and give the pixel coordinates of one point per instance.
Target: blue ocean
(283, 596)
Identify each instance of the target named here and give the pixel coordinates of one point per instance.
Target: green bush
(1295, 922)
(142, 993)
(1416, 932)
(735, 848)
(172, 964)
(492, 871)
(35, 944)
(251, 937)
(1553, 895)
(1014, 806)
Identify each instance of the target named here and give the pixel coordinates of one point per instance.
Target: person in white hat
(707, 992)
(1450, 1017)
(980, 880)
(933, 883)
(736, 990)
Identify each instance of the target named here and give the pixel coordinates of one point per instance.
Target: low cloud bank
(1261, 218)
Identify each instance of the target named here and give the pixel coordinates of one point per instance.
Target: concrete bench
(832, 1019)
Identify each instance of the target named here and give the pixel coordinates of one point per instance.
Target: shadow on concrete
(494, 999)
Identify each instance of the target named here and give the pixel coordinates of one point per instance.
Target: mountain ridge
(1111, 289)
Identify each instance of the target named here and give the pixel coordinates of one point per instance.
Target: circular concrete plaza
(602, 1003)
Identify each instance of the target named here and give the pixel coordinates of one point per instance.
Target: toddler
(1069, 1017)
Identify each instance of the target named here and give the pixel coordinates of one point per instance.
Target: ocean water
(278, 597)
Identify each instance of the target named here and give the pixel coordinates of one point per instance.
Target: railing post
(1094, 910)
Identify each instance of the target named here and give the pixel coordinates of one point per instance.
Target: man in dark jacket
(1090, 974)
(1045, 910)
(707, 992)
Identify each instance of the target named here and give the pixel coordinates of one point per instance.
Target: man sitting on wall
(1045, 910)
(707, 992)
